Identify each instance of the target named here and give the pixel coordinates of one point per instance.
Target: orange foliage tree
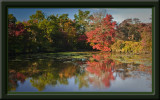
(102, 36)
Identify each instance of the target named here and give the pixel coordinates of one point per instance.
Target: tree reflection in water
(98, 71)
(101, 69)
(13, 78)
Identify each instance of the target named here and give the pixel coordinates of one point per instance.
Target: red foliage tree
(16, 29)
(82, 38)
(18, 38)
(102, 36)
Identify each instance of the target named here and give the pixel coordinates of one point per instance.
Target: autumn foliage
(82, 38)
(103, 35)
(16, 29)
(86, 32)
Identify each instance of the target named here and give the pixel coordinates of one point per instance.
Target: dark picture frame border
(83, 4)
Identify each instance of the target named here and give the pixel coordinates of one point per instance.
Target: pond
(80, 72)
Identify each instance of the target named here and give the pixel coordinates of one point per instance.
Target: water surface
(80, 72)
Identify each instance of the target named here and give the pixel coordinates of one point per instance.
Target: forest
(88, 52)
(87, 32)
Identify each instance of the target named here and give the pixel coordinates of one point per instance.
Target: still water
(80, 72)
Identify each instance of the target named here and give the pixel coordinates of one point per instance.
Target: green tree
(11, 18)
(81, 20)
(81, 23)
(38, 16)
(62, 20)
(42, 30)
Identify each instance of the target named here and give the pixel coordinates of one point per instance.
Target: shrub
(127, 47)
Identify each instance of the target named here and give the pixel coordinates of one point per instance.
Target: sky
(119, 14)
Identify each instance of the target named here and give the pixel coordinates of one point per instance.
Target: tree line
(85, 32)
